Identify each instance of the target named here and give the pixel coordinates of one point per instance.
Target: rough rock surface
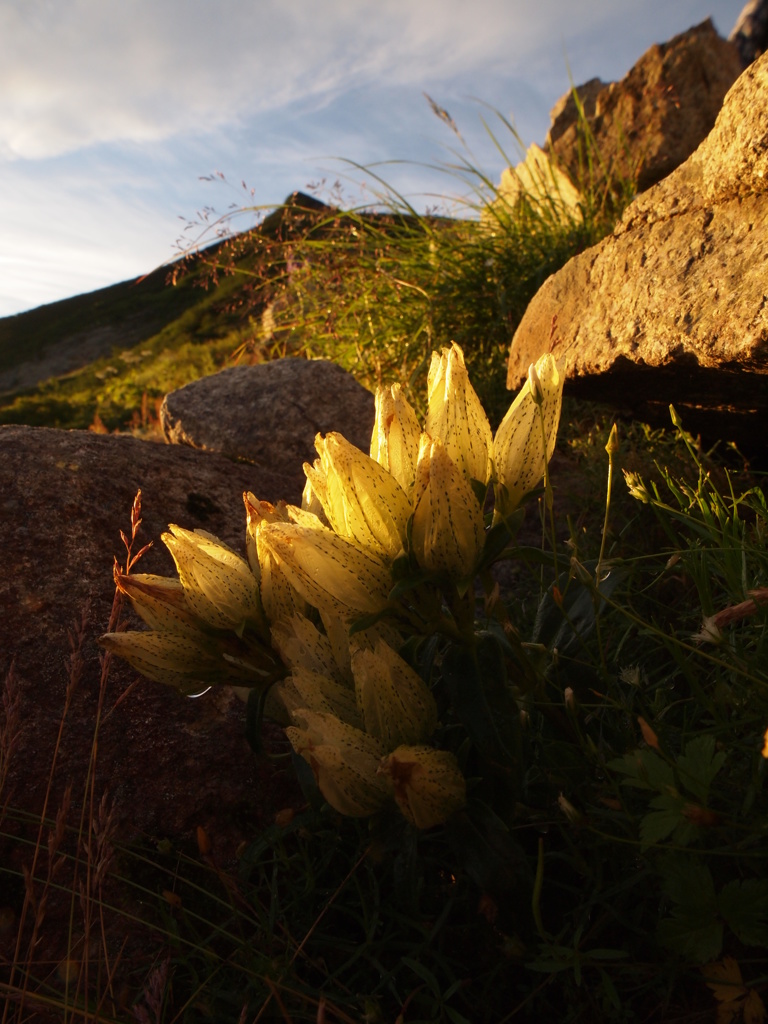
(565, 113)
(168, 763)
(654, 118)
(275, 408)
(673, 307)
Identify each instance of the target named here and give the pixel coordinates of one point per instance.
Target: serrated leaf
(688, 882)
(668, 819)
(698, 766)
(695, 936)
(693, 928)
(744, 906)
(753, 1008)
(724, 979)
(661, 823)
(644, 769)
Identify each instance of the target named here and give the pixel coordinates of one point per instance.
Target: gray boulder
(673, 306)
(270, 413)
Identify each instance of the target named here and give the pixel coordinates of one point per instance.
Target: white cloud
(110, 109)
(79, 72)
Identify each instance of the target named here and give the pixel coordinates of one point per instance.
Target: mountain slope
(103, 356)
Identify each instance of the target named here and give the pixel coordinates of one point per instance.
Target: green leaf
(422, 972)
(454, 1016)
(661, 823)
(687, 881)
(694, 928)
(694, 935)
(564, 624)
(496, 540)
(645, 770)
(744, 905)
(699, 765)
(476, 681)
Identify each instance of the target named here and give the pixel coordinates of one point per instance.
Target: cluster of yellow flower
(354, 709)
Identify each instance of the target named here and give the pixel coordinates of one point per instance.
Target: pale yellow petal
(456, 416)
(305, 689)
(160, 602)
(428, 784)
(279, 598)
(300, 643)
(218, 584)
(396, 432)
(361, 500)
(396, 704)
(447, 533)
(519, 454)
(256, 512)
(169, 658)
(344, 761)
(326, 569)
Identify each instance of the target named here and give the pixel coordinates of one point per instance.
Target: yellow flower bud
(537, 392)
(396, 704)
(300, 643)
(279, 598)
(396, 432)
(160, 601)
(447, 532)
(310, 501)
(218, 584)
(256, 512)
(186, 662)
(428, 784)
(305, 689)
(519, 452)
(326, 569)
(361, 500)
(456, 417)
(344, 761)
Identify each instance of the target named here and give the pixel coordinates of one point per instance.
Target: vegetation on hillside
(372, 289)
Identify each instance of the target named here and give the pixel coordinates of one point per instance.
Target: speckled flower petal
(519, 455)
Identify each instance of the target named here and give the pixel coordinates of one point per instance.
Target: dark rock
(270, 413)
(672, 307)
(167, 763)
(750, 33)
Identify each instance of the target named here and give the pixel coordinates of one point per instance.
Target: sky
(128, 126)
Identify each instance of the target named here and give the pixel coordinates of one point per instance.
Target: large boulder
(164, 764)
(654, 118)
(270, 413)
(672, 307)
(64, 498)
